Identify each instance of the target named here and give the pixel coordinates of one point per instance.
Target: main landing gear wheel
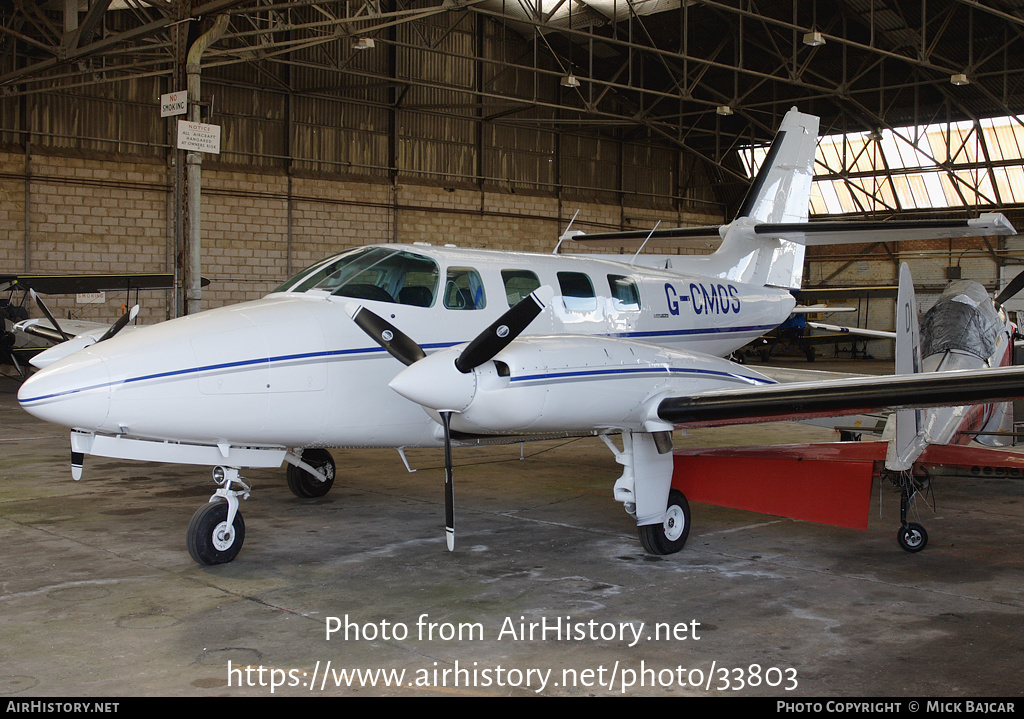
(912, 538)
(669, 536)
(210, 539)
(305, 485)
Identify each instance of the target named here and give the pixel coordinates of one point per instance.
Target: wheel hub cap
(223, 537)
(674, 523)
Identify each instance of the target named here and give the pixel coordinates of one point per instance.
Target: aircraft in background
(30, 341)
(615, 347)
(831, 333)
(965, 331)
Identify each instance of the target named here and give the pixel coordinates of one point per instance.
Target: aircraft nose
(73, 392)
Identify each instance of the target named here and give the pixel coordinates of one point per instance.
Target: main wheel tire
(669, 536)
(305, 485)
(210, 540)
(912, 538)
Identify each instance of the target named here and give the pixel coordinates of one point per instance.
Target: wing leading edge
(803, 400)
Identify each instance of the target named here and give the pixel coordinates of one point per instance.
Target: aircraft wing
(820, 309)
(877, 334)
(74, 284)
(829, 398)
(43, 329)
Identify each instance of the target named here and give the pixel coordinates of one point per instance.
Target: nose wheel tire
(669, 536)
(912, 538)
(210, 540)
(302, 483)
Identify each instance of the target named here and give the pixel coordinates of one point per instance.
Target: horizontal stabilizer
(672, 233)
(839, 232)
(828, 233)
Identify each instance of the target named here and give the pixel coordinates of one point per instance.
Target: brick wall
(90, 214)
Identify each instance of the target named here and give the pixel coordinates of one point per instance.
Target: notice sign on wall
(198, 136)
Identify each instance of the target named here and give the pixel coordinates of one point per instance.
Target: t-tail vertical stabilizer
(780, 195)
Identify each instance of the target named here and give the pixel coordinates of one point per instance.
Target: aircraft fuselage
(292, 369)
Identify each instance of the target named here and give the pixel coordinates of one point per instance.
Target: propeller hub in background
(1012, 289)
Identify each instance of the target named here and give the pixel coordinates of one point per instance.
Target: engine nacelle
(566, 383)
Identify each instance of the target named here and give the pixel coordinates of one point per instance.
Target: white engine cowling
(565, 383)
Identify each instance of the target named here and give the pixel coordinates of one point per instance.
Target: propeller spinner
(444, 385)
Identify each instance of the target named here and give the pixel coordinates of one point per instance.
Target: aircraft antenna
(649, 234)
(565, 235)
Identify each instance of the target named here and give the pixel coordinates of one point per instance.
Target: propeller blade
(120, 324)
(449, 483)
(50, 317)
(398, 344)
(501, 333)
(1015, 286)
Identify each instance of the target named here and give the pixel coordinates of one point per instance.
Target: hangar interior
(490, 123)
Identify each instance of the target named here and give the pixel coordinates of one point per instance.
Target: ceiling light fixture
(813, 38)
(364, 43)
(959, 79)
(724, 110)
(570, 81)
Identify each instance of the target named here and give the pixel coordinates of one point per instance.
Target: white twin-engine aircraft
(615, 345)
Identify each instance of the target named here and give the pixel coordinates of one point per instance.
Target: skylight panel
(908, 168)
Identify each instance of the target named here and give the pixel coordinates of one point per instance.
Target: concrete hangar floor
(548, 592)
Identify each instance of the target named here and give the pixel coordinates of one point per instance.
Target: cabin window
(463, 289)
(372, 273)
(577, 292)
(624, 293)
(518, 284)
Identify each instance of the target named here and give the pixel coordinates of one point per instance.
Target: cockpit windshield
(372, 273)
